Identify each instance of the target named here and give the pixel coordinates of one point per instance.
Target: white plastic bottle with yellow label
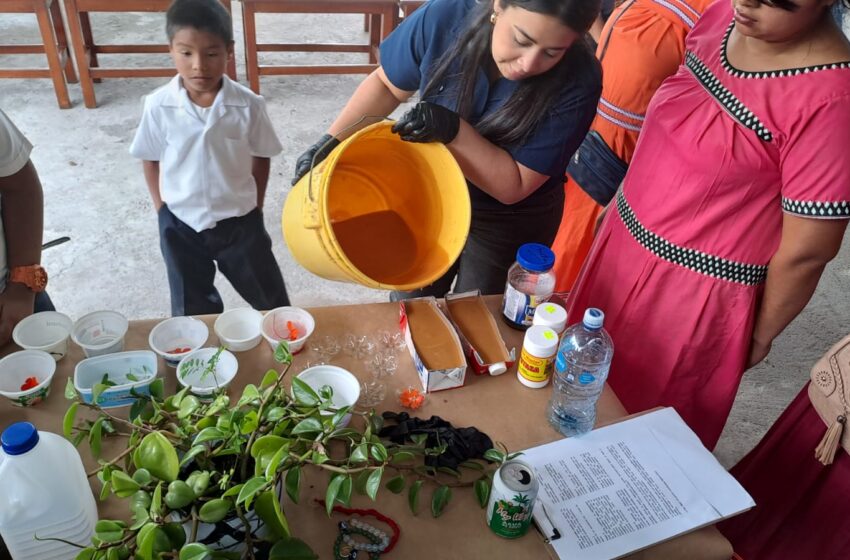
(537, 357)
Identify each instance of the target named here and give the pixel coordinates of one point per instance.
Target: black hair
(534, 97)
(204, 15)
(790, 6)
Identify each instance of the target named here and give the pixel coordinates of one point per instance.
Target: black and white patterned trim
(724, 60)
(729, 102)
(814, 209)
(704, 263)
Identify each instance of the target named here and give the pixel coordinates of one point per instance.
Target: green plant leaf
(269, 379)
(187, 406)
(157, 388)
(98, 390)
(360, 481)
(249, 423)
(292, 482)
(70, 390)
(338, 415)
(318, 457)
(333, 489)
(494, 455)
(68, 420)
(282, 354)
(303, 393)
(291, 548)
(208, 434)
(156, 454)
(376, 423)
(95, 437)
(373, 483)
(379, 452)
(360, 454)
(85, 554)
(176, 535)
(233, 491)
(396, 485)
(309, 425)
(109, 531)
(179, 495)
(344, 494)
(192, 453)
(482, 491)
(275, 461)
(419, 439)
(105, 491)
(440, 499)
(249, 394)
(214, 511)
(451, 472)
(195, 551)
(250, 488)
(275, 414)
(142, 476)
(156, 501)
(267, 507)
(513, 456)
(413, 496)
(474, 465)
(401, 457)
(123, 485)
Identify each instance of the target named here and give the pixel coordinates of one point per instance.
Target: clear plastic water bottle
(44, 492)
(581, 368)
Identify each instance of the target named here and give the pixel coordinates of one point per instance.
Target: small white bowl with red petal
(292, 324)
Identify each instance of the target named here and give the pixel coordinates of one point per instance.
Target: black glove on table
(319, 150)
(428, 122)
(463, 444)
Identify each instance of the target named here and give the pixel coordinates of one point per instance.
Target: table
(499, 406)
(382, 15)
(86, 49)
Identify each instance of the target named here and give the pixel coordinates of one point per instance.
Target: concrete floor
(95, 193)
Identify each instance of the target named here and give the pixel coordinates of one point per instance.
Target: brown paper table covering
(499, 406)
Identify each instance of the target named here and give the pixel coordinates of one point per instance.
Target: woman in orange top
(641, 44)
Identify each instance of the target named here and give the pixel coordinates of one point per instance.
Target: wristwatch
(32, 276)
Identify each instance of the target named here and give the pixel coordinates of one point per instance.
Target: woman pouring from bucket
(510, 88)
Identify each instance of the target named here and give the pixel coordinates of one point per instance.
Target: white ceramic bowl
(275, 329)
(17, 367)
(191, 371)
(101, 332)
(346, 387)
(132, 372)
(47, 331)
(175, 333)
(239, 329)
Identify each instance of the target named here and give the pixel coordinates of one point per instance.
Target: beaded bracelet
(346, 548)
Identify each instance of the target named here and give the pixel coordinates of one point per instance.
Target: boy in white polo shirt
(206, 143)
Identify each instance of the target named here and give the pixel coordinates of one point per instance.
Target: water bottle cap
(593, 318)
(535, 257)
(19, 438)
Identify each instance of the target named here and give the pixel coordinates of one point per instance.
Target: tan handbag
(829, 392)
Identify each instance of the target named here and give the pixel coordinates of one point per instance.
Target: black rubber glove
(428, 122)
(462, 444)
(319, 151)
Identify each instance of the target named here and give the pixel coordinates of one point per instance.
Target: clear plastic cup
(47, 331)
(101, 332)
(239, 329)
(175, 337)
(17, 367)
(275, 327)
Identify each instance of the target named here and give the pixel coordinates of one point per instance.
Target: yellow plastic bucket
(380, 212)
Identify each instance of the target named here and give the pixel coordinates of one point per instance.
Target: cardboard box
(479, 334)
(433, 344)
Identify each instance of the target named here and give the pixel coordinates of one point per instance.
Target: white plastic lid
(541, 341)
(593, 318)
(551, 315)
(498, 368)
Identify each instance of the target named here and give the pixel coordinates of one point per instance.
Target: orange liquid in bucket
(380, 244)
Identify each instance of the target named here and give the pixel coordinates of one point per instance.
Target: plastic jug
(43, 491)
(379, 212)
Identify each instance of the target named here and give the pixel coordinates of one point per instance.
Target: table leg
(54, 62)
(374, 37)
(62, 40)
(252, 67)
(78, 43)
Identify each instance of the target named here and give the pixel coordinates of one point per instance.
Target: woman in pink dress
(737, 197)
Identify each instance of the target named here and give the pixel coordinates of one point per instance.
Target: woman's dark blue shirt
(409, 57)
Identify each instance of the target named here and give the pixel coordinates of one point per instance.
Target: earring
(493, 18)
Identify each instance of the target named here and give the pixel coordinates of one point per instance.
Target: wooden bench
(54, 44)
(86, 50)
(383, 17)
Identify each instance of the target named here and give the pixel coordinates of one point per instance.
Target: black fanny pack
(596, 169)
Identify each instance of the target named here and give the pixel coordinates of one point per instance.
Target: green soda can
(512, 499)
